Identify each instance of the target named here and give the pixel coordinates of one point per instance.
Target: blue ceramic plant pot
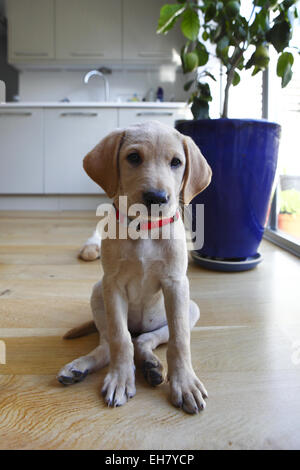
(243, 156)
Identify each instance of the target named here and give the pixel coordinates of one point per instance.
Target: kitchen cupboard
(88, 32)
(69, 135)
(30, 30)
(141, 43)
(89, 29)
(21, 151)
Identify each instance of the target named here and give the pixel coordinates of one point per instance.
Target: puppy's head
(150, 163)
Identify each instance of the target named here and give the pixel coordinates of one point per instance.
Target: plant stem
(230, 75)
(226, 97)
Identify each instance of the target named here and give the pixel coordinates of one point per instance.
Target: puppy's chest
(143, 257)
(140, 274)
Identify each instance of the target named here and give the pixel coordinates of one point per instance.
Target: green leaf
(168, 16)
(220, 6)
(260, 58)
(190, 24)
(190, 61)
(232, 8)
(255, 70)
(183, 52)
(241, 64)
(222, 50)
(216, 34)
(188, 85)
(205, 36)
(200, 109)
(208, 74)
(223, 43)
(284, 59)
(202, 54)
(287, 76)
(210, 12)
(204, 91)
(288, 3)
(279, 35)
(284, 68)
(236, 79)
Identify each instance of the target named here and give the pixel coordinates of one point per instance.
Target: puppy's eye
(175, 163)
(134, 159)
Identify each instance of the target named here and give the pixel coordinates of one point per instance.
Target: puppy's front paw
(119, 386)
(187, 392)
(90, 252)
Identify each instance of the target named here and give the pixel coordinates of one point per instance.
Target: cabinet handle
(154, 113)
(79, 114)
(31, 54)
(87, 54)
(15, 113)
(154, 54)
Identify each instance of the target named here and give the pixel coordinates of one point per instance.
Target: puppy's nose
(155, 197)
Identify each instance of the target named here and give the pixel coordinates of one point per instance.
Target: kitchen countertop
(93, 104)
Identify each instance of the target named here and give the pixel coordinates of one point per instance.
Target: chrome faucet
(101, 75)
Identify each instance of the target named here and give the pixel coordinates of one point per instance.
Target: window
(283, 225)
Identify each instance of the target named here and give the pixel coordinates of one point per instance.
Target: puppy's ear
(197, 174)
(101, 163)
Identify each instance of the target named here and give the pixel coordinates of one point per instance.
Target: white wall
(54, 85)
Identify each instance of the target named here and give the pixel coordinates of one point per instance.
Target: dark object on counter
(160, 94)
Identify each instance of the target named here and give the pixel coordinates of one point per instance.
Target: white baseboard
(51, 203)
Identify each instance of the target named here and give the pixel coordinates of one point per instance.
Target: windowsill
(283, 240)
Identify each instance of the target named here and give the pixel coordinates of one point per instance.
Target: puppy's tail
(82, 330)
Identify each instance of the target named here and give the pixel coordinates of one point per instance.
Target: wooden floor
(246, 350)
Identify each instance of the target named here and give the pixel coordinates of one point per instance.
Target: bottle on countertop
(160, 94)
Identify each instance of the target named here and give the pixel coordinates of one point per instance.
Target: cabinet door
(140, 41)
(21, 151)
(30, 30)
(166, 115)
(69, 135)
(87, 29)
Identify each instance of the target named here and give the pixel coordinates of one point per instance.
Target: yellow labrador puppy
(143, 299)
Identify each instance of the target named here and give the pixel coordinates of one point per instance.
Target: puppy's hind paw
(89, 252)
(153, 372)
(70, 374)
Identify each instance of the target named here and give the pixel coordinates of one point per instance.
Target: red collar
(150, 224)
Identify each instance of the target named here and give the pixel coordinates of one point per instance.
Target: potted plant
(241, 152)
(289, 214)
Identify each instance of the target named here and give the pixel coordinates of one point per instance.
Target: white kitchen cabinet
(30, 30)
(21, 151)
(165, 115)
(88, 29)
(88, 32)
(140, 41)
(69, 135)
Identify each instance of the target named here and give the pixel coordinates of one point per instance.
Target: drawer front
(21, 151)
(69, 135)
(167, 116)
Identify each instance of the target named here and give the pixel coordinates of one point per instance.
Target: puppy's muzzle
(155, 197)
